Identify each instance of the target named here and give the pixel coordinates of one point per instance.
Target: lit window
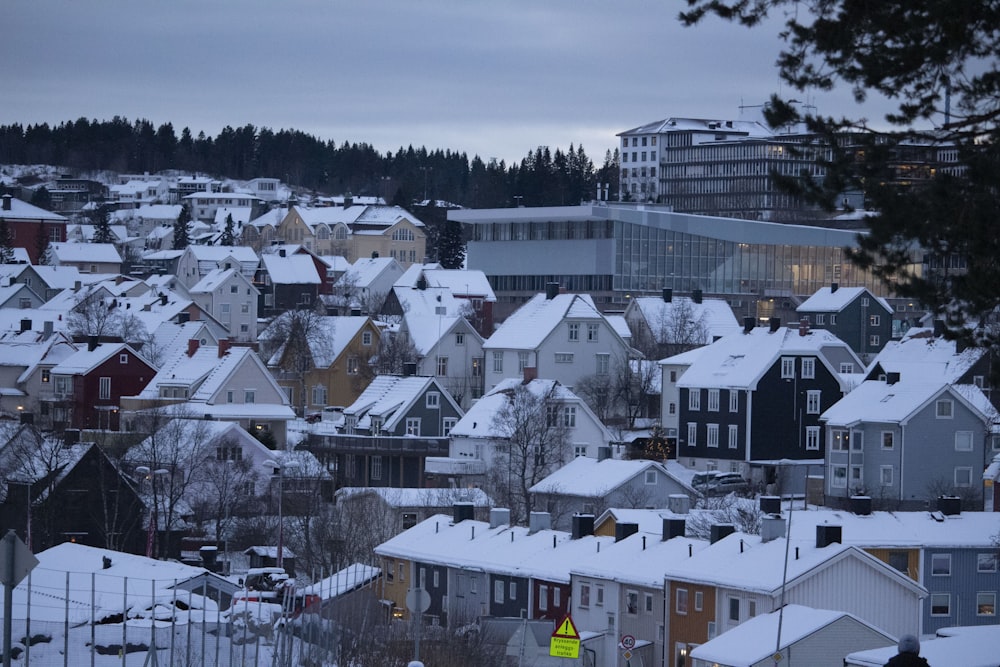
(986, 604)
(352, 365)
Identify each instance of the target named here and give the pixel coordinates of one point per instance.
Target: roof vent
(827, 535)
(674, 527)
(583, 525)
(539, 521)
(774, 323)
(463, 511)
(748, 324)
(772, 526)
(668, 295)
(551, 290)
(623, 530)
(720, 530)
(499, 516)
(861, 505)
(949, 505)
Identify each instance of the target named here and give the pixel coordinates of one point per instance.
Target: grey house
(852, 314)
(906, 441)
(590, 486)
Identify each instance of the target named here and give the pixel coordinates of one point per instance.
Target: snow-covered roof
(333, 335)
(969, 646)
(751, 129)
(290, 269)
(901, 530)
(343, 581)
(714, 315)
(429, 314)
(739, 360)
(366, 270)
(213, 279)
(478, 422)
(58, 277)
(754, 640)
(530, 324)
(86, 252)
(209, 253)
(403, 498)
(877, 401)
(923, 354)
(639, 559)
(22, 210)
(387, 397)
(828, 300)
(585, 476)
(84, 360)
(463, 282)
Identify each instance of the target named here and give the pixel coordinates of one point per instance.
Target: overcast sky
(495, 78)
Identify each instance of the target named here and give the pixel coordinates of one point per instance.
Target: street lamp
(150, 476)
(280, 467)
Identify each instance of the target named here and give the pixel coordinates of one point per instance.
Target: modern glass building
(617, 251)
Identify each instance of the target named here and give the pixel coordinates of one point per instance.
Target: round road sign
(628, 642)
(418, 600)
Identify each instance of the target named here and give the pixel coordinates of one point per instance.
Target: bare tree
(226, 484)
(743, 513)
(532, 441)
(394, 350)
(97, 314)
(673, 330)
(295, 343)
(621, 396)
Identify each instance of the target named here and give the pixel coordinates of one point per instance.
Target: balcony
(383, 444)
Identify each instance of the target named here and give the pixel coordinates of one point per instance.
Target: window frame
(941, 568)
(808, 368)
(787, 368)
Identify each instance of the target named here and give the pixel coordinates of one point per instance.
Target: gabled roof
(465, 282)
(880, 402)
(431, 314)
(741, 359)
(715, 314)
(639, 559)
(83, 361)
(366, 270)
(22, 210)
(86, 252)
(828, 300)
(211, 253)
(404, 498)
(290, 269)
(922, 354)
(326, 347)
(390, 397)
(213, 279)
(588, 477)
(478, 422)
(534, 321)
(344, 581)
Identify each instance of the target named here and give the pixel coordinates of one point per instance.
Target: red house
(88, 385)
(25, 223)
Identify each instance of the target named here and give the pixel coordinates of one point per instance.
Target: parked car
(702, 479)
(725, 483)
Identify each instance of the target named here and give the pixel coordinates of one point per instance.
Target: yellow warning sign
(561, 647)
(566, 629)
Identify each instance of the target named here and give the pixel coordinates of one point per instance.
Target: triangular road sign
(566, 629)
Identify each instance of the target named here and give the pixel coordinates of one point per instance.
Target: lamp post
(280, 467)
(150, 476)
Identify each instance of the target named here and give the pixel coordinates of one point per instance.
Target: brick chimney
(193, 345)
(530, 373)
(803, 326)
(224, 345)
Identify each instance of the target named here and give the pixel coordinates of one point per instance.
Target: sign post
(16, 561)
(565, 642)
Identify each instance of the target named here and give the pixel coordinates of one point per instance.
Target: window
(46, 375)
(813, 402)
(230, 396)
(543, 597)
(944, 409)
(839, 479)
(888, 439)
(599, 596)
(123, 359)
(885, 474)
(249, 396)
(512, 591)
(460, 338)
(647, 603)
(963, 477)
(820, 318)
(498, 362)
(574, 331)
(569, 416)
(650, 477)
(432, 400)
(603, 363)
(522, 361)
(713, 400)
(873, 341)
(712, 436)
(694, 399)
(734, 609)
(857, 476)
(734, 400)
(833, 319)
(631, 602)
(986, 562)
(353, 365)
(366, 338)
(105, 387)
(809, 368)
(591, 332)
(564, 358)
(449, 423)
(319, 395)
(585, 595)
(225, 453)
(699, 600)
(376, 467)
(413, 426)
(986, 604)
(751, 608)
(940, 604)
(225, 308)
(734, 436)
(245, 308)
(812, 438)
(692, 434)
(498, 591)
(442, 366)
(234, 289)
(941, 565)
(900, 561)
(787, 367)
(846, 367)
(963, 441)
(672, 408)
(579, 450)
(682, 601)
(409, 521)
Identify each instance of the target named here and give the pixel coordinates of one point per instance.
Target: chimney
(827, 535)
(209, 557)
(539, 521)
(77, 284)
(892, 377)
(774, 323)
(499, 516)
(861, 505)
(583, 525)
(193, 345)
(6, 202)
(421, 283)
(603, 452)
(679, 503)
(949, 505)
(25, 325)
(462, 511)
(673, 527)
(71, 436)
(183, 317)
(623, 530)
(92, 342)
(551, 290)
(834, 287)
(374, 254)
(530, 373)
(668, 295)
(47, 328)
(224, 345)
(409, 368)
(281, 252)
(696, 296)
(163, 299)
(720, 530)
(770, 504)
(803, 326)
(748, 324)
(772, 526)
